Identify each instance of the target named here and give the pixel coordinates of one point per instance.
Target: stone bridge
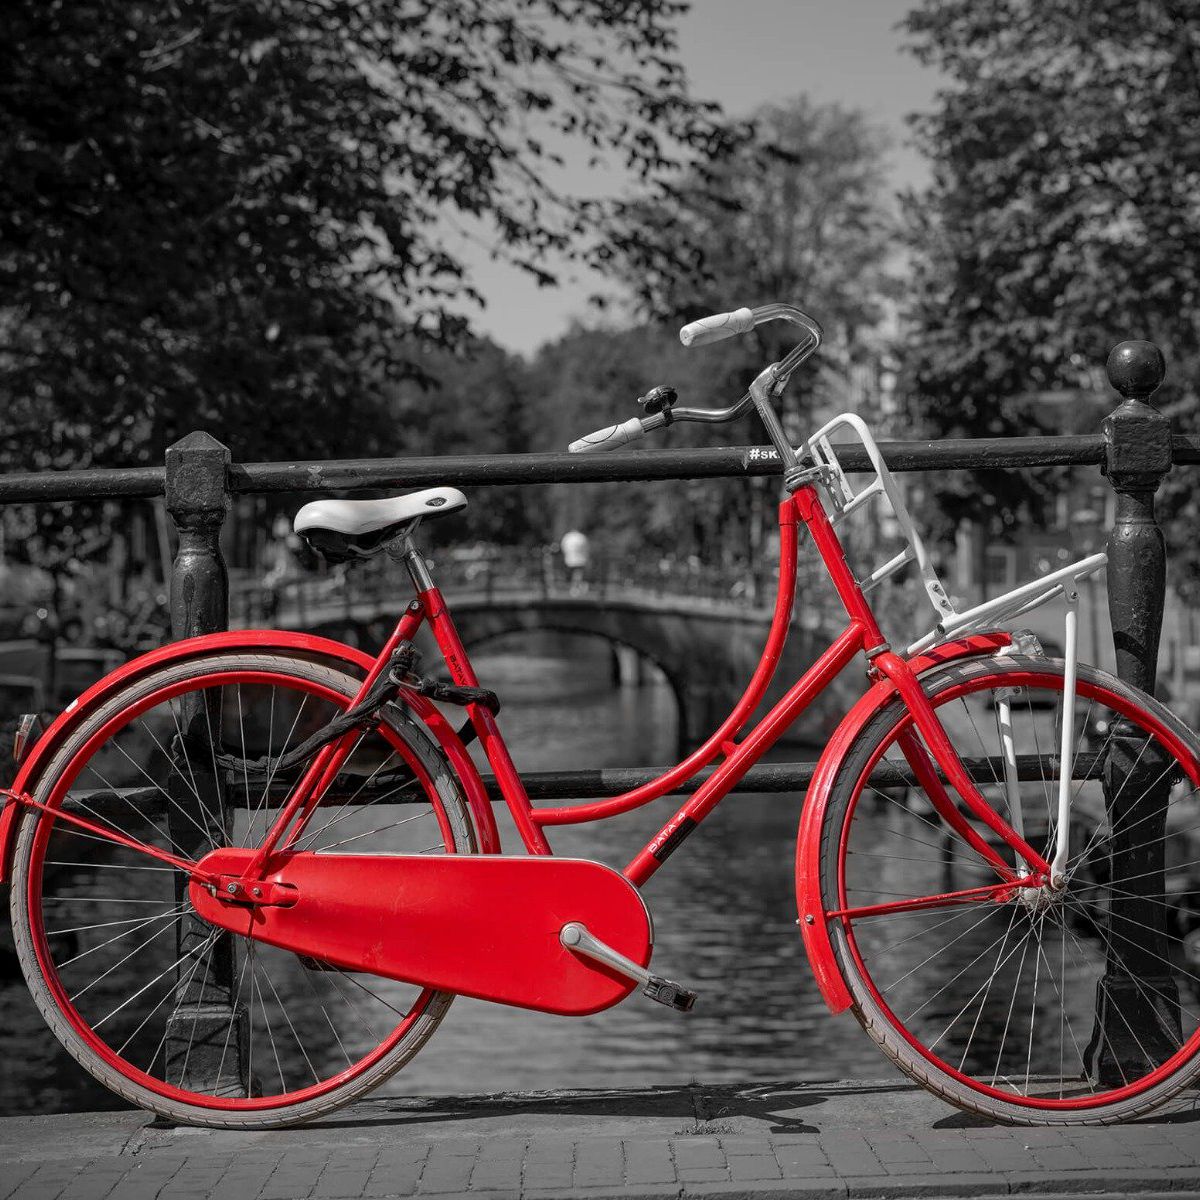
(707, 647)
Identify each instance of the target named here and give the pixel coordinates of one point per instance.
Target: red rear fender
(816, 801)
(336, 654)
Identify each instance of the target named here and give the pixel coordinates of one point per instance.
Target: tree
(1062, 217)
(797, 212)
(246, 217)
(472, 399)
(239, 215)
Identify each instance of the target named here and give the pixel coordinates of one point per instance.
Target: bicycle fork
(1034, 869)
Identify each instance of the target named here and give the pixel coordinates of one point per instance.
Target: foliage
(798, 213)
(591, 378)
(235, 215)
(250, 217)
(1062, 217)
(469, 400)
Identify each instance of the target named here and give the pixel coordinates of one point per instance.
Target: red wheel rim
(1088, 690)
(49, 968)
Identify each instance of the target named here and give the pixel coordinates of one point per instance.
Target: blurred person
(575, 552)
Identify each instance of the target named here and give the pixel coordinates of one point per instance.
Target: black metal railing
(1135, 450)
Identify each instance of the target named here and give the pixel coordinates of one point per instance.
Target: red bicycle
(268, 857)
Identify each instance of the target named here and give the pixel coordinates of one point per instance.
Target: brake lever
(657, 400)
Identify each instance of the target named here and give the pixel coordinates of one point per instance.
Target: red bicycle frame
(927, 754)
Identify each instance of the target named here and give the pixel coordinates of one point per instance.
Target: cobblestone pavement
(807, 1140)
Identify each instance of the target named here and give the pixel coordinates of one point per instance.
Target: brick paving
(809, 1141)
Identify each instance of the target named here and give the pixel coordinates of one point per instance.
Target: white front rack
(844, 499)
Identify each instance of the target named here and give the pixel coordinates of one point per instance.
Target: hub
(1038, 897)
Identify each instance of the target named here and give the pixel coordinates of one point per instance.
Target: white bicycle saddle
(345, 529)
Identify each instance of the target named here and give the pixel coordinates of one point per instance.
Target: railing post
(202, 1050)
(1137, 1002)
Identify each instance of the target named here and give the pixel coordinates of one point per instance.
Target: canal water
(724, 914)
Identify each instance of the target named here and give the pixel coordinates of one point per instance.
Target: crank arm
(575, 937)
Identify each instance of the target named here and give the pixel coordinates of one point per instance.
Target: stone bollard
(207, 1042)
(1137, 1004)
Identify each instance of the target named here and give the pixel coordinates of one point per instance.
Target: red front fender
(258, 640)
(813, 924)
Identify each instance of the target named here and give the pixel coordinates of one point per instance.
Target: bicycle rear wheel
(1044, 1005)
(196, 1024)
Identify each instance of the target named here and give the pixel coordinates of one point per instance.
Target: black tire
(1083, 897)
(447, 794)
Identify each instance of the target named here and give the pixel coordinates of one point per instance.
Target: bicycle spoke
(108, 821)
(262, 805)
(288, 1019)
(171, 801)
(940, 950)
(121, 963)
(1012, 1003)
(237, 1000)
(192, 786)
(382, 829)
(145, 987)
(1012, 1000)
(306, 975)
(256, 986)
(954, 979)
(164, 916)
(187, 1054)
(347, 805)
(139, 974)
(172, 990)
(987, 991)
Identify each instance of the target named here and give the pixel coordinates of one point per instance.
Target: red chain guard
(478, 925)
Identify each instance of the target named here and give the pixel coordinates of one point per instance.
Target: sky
(743, 53)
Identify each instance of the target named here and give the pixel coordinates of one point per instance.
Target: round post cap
(1136, 369)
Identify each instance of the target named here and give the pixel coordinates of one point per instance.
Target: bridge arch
(707, 651)
(476, 633)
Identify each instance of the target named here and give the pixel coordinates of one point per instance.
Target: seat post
(414, 560)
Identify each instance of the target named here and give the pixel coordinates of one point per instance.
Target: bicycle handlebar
(698, 333)
(611, 438)
(718, 327)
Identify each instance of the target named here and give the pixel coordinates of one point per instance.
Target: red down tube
(485, 926)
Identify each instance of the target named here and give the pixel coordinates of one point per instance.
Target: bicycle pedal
(576, 937)
(666, 991)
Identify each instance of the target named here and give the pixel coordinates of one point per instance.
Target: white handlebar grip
(612, 438)
(713, 329)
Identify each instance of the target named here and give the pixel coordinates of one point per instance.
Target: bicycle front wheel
(1043, 1005)
(194, 1023)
